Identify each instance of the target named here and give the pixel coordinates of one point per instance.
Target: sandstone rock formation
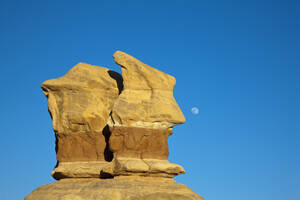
(80, 103)
(147, 99)
(142, 119)
(112, 134)
(114, 189)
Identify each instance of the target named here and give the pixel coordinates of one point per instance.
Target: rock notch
(113, 131)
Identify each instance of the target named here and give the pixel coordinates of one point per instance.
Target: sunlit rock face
(112, 134)
(81, 100)
(80, 103)
(142, 119)
(127, 188)
(147, 99)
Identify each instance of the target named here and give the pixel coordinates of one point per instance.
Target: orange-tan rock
(81, 100)
(80, 103)
(142, 119)
(127, 188)
(112, 134)
(137, 142)
(147, 99)
(122, 166)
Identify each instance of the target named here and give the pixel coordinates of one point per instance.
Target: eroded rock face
(80, 103)
(81, 100)
(112, 135)
(122, 166)
(98, 114)
(141, 121)
(147, 99)
(136, 142)
(114, 189)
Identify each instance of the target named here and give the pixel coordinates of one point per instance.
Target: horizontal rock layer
(142, 167)
(86, 146)
(90, 169)
(135, 142)
(114, 189)
(118, 167)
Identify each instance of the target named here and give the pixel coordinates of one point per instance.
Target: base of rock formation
(118, 188)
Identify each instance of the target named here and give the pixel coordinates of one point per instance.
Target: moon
(195, 110)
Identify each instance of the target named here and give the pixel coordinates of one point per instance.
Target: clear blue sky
(237, 61)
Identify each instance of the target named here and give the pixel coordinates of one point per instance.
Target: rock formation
(80, 103)
(112, 134)
(114, 189)
(147, 99)
(141, 121)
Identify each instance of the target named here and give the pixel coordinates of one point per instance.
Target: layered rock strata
(79, 104)
(142, 119)
(98, 114)
(112, 134)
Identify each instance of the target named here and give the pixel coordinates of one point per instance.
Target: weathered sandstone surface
(112, 134)
(81, 100)
(142, 167)
(142, 119)
(137, 142)
(141, 151)
(114, 189)
(80, 103)
(98, 114)
(147, 99)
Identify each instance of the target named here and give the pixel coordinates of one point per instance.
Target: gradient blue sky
(237, 61)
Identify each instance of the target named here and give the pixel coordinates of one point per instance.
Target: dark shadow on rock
(119, 79)
(104, 175)
(56, 149)
(108, 154)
